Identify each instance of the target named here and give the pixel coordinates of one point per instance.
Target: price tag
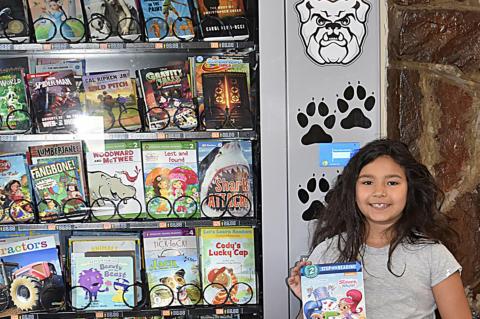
(219, 311)
(47, 47)
(51, 227)
(162, 225)
(107, 225)
(161, 136)
(215, 134)
(214, 45)
(103, 46)
(216, 223)
(159, 45)
(166, 312)
(99, 314)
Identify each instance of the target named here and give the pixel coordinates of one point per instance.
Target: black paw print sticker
(357, 102)
(316, 133)
(305, 196)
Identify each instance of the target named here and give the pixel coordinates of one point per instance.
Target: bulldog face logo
(333, 30)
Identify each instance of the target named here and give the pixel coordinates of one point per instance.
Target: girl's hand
(294, 280)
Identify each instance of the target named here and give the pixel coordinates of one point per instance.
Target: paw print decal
(316, 133)
(358, 103)
(314, 186)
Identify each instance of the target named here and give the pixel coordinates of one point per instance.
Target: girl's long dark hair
(421, 221)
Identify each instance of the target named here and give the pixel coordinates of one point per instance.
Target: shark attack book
(226, 180)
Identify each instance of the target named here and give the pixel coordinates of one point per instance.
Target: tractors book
(167, 20)
(58, 190)
(227, 103)
(171, 181)
(32, 265)
(333, 291)
(57, 21)
(115, 178)
(227, 260)
(14, 110)
(113, 96)
(225, 174)
(15, 189)
(13, 21)
(222, 20)
(168, 98)
(105, 278)
(55, 100)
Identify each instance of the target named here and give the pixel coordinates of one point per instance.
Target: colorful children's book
(77, 66)
(201, 64)
(180, 274)
(167, 20)
(16, 198)
(18, 63)
(57, 20)
(13, 21)
(58, 190)
(113, 20)
(115, 179)
(27, 261)
(227, 103)
(222, 20)
(333, 291)
(103, 277)
(42, 154)
(14, 110)
(227, 259)
(169, 242)
(113, 96)
(226, 178)
(171, 181)
(168, 98)
(55, 100)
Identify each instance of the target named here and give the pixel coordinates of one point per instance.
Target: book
(222, 20)
(104, 279)
(167, 20)
(112, 95)
(168, 98)
(226, 178)
(201, 64)
(58, 190)
(227, 264)
(13, 21)
(41, 154)
(180, 274)
(115, 179)
(227, 103)
(32, 265)
(169, 242)
(171, 181)
(77, 66)
(15, 189)
(57, 20)
(17, 63)
(333, 291)
(55, 100)
(14, 110)
(112, 21)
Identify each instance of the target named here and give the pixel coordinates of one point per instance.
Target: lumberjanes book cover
(55, 100)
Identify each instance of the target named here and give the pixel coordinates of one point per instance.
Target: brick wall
(434, 105)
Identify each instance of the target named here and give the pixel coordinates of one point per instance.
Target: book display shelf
(130, 159)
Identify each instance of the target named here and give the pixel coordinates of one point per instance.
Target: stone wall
(434, 105)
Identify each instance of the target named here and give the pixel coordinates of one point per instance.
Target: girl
(384, 211)
(56, 13)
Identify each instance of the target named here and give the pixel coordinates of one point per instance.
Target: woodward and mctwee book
(15, 189)
(113, 20)
(115, 179)
(14, 110)
(226, 178)
(167, 20)
(55, 100)
(226, 99)
(13, 21)
(227, 263)
(113, 96)
(333, 291)
(168, 98)
(171, 180)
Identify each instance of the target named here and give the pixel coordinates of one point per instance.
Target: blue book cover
(167, 20)
(103, 279)
(225, 175)
(333, 291)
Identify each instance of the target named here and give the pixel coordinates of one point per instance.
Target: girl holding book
(384, 211)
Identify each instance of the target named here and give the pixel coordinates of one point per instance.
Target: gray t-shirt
(408, 296)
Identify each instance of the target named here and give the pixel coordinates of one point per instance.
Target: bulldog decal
(333, 31)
